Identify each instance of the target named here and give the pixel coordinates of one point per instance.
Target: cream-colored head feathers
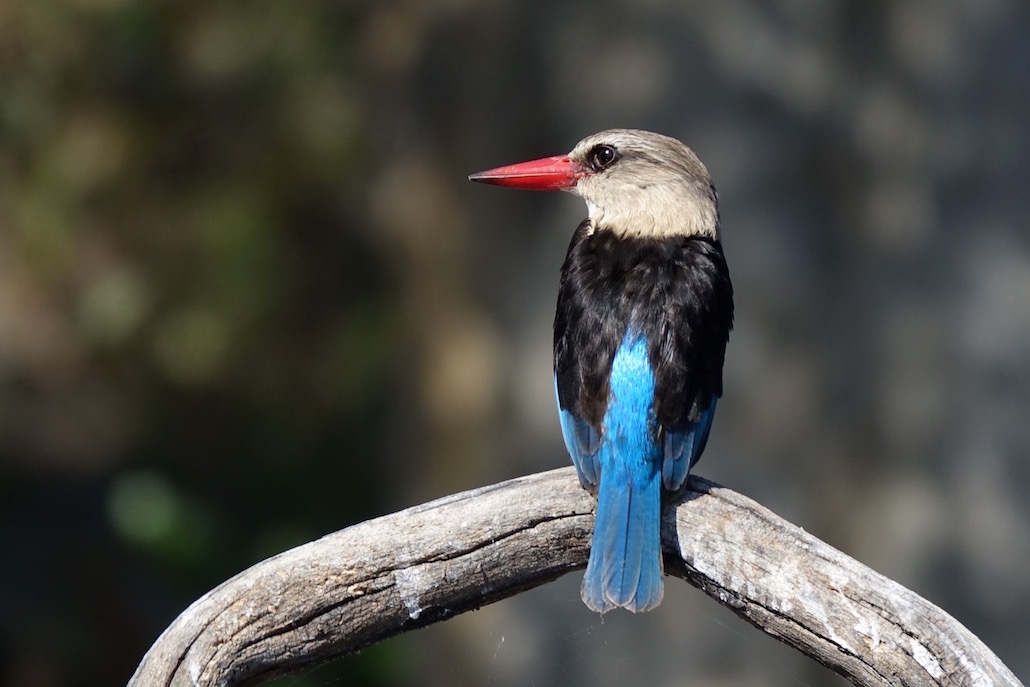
(645, 184)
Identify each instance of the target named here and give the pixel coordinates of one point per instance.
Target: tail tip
(641, 599)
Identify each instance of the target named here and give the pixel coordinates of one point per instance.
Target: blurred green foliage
(199, 338)
(247, 298)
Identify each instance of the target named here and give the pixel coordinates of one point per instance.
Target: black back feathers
(673, 290)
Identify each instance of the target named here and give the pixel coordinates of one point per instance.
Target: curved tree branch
(403, 571)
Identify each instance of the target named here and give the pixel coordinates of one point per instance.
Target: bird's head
(635, 183)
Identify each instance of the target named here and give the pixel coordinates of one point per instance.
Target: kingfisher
(645, 308)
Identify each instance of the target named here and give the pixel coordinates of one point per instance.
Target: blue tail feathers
(625, 567)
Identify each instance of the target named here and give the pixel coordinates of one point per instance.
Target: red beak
(545, 174)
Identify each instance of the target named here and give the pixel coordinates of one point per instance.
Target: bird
(644, 313)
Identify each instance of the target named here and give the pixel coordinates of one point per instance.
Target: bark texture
(406, 570)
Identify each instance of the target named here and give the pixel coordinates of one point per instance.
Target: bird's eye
(602, 156)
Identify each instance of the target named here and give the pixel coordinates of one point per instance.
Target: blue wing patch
(582, 442)
(683, 447)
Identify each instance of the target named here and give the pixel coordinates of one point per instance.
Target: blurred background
(247, 297)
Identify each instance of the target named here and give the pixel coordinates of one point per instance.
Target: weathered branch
(368, 582)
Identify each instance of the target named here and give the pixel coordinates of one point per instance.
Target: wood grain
(403, 571)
